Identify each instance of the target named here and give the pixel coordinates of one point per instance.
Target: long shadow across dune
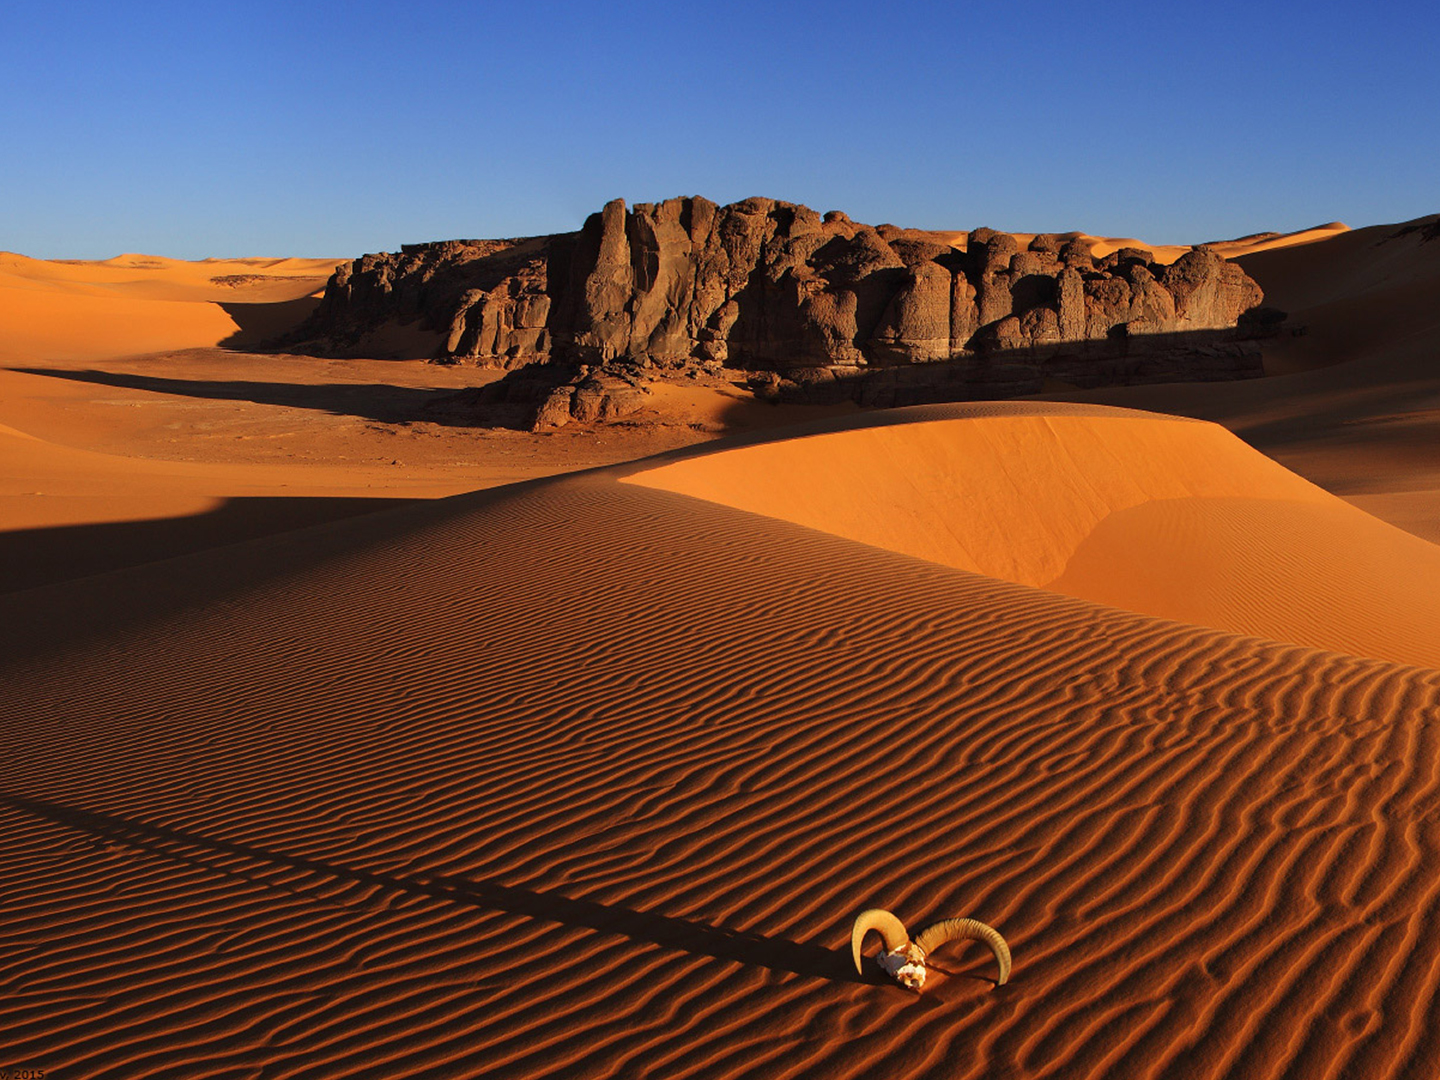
(686, 935)
(369, 401)
(30, 558)
(56, 619)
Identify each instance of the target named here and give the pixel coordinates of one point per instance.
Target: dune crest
(1100, 246)
(1164, 516)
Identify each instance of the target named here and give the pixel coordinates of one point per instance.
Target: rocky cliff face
(772, 287)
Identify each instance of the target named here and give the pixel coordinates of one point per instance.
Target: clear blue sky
(197, 128)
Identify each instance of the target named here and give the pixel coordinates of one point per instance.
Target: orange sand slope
(94, 476)
(1161, 515)
(1353, 399)
(143, 303)
(67, 512)
(1366, 292)
(1230, 249)
(587, 778)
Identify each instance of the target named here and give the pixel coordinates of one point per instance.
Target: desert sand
(315, 764)
(134, 425)
(1353, 400)
(1133, 510)
(145, 303)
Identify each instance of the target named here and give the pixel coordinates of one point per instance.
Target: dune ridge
(1350, 400)
(1364, 293)
(468, 789)
(1161, 515)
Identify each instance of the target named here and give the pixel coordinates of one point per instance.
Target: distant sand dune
(587, 778)
(1100, 246)
(1365, 292)
(136, 303)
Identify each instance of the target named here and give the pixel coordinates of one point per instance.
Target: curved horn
(932, 937)
(882, 922)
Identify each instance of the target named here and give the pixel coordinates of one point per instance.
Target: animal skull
(904, 960)
(906, 966)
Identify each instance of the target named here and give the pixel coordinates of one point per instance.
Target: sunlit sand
(339, 735)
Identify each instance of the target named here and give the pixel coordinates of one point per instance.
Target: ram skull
(904, 960)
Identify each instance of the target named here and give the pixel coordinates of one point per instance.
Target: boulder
(1076, 252)
(964, 313)
(992, 295)
(916, 324)
(1047, 244)
(1209, 292)
(1120, 257)
(602, 396)
(1000, 248)
(764, 285)
(1152, 308)
(1070, 304)
(554, 411)
(1040, 326)
(1107, 305)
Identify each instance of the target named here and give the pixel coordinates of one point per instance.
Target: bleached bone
(904, 960)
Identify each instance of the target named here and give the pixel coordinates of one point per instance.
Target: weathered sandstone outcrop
(767, 286)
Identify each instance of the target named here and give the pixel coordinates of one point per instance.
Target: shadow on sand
(777, 954)
(257, 324)
(30, 558)
(510, 398)
(368, 401)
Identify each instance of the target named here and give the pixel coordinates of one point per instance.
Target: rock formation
(826, 306)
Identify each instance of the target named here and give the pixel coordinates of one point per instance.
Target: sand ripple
(470, 789)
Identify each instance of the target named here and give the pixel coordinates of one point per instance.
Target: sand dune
(1230, 249)
(587, 778)
(149, 459)
(1353, 399)
(1361, 293)
(1269, 241)
(139, 303)
(1155, 514)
